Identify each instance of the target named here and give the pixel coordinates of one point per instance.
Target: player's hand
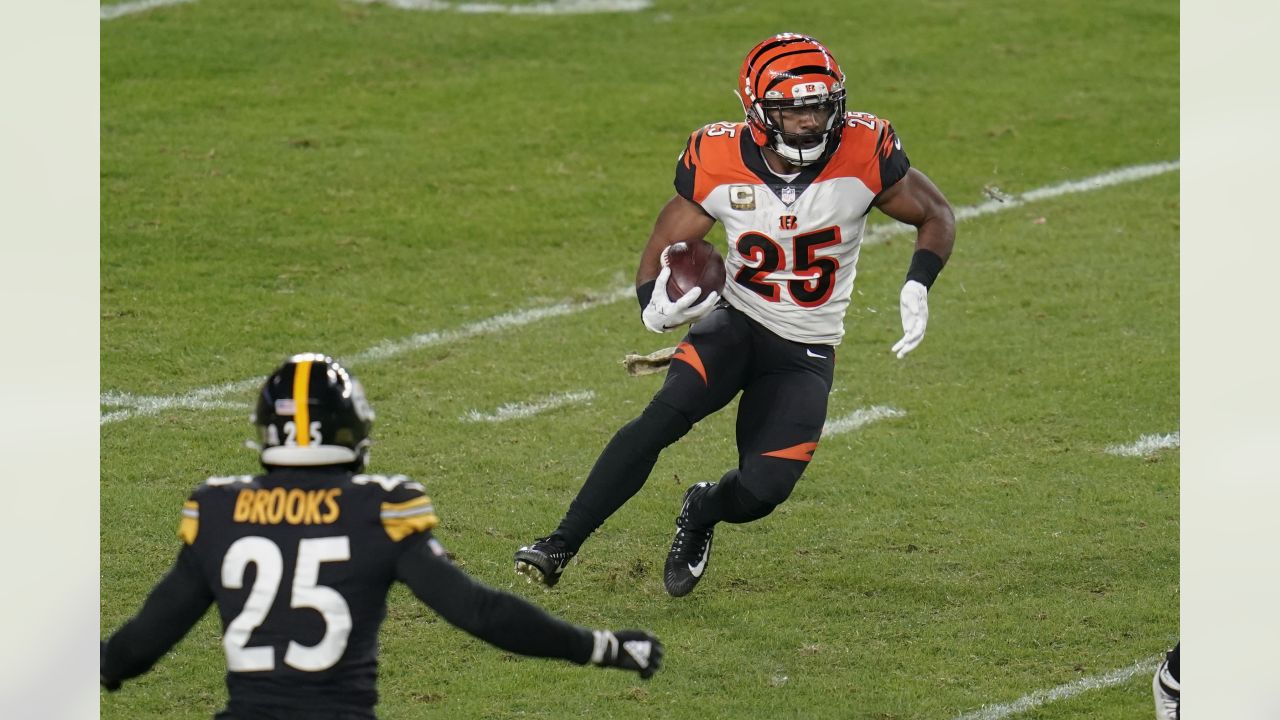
(913, 304)
(628, 650)
(663, 314)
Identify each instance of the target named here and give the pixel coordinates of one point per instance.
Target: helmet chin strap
(801, 157)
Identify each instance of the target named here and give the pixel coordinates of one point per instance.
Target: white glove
(663, 314)
(913, 304)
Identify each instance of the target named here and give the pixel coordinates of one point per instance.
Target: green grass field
(329, 175)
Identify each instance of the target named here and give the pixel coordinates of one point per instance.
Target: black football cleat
(543, 560)
(690, 549)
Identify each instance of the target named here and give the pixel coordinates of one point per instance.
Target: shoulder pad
(714, 133)
(220, 483)
(405, 509)
(713, 156)
(189, 525)
(388, 483)
(402, 519)
(220, 480)
(877, 132)
(722, 128)
(864, 122)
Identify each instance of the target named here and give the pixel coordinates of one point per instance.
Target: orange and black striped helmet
(311, 412)
(792, 71)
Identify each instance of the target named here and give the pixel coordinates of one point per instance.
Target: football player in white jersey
(792, 185)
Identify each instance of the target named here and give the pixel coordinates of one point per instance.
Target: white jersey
(793, 246)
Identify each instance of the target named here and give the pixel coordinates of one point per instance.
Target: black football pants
(784, 388)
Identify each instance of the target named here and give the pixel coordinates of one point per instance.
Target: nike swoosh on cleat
(696, 570)
(811, 353)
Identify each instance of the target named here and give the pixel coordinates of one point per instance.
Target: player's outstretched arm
(515, 625)
(175, 604)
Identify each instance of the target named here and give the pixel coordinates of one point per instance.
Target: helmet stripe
(755, 82)
(805, 70)
(777, 43)
(758, 55)
(302, 411)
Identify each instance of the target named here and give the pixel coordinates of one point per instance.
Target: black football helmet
(311, 411)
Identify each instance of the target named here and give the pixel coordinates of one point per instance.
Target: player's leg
(706, 372)
(780, 419)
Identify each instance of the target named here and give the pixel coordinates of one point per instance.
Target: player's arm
(916, 201)
(173, 607)
(680, 219)
(513, 624)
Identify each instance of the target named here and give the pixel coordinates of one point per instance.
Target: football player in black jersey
(299, 561)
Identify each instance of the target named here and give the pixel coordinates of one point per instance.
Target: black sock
(728, 501)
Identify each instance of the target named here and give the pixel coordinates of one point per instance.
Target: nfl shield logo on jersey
(788, 195)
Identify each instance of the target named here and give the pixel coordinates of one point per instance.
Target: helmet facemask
(790, 72)
(801, 149)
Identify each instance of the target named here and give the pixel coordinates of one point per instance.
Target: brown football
(694, 263)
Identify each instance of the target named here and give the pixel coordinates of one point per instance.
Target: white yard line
(204, 398)
(130, 406)
(556, 7)
(1062, 692)
(860, 417)
(390, 348)
(516, 411)
(1146, 445)
(111, 12)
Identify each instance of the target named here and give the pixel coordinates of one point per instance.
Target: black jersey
(299, 563)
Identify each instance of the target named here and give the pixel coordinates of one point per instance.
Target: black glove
(111, 684)
(629, 650)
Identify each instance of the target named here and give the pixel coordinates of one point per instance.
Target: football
(694, 263)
